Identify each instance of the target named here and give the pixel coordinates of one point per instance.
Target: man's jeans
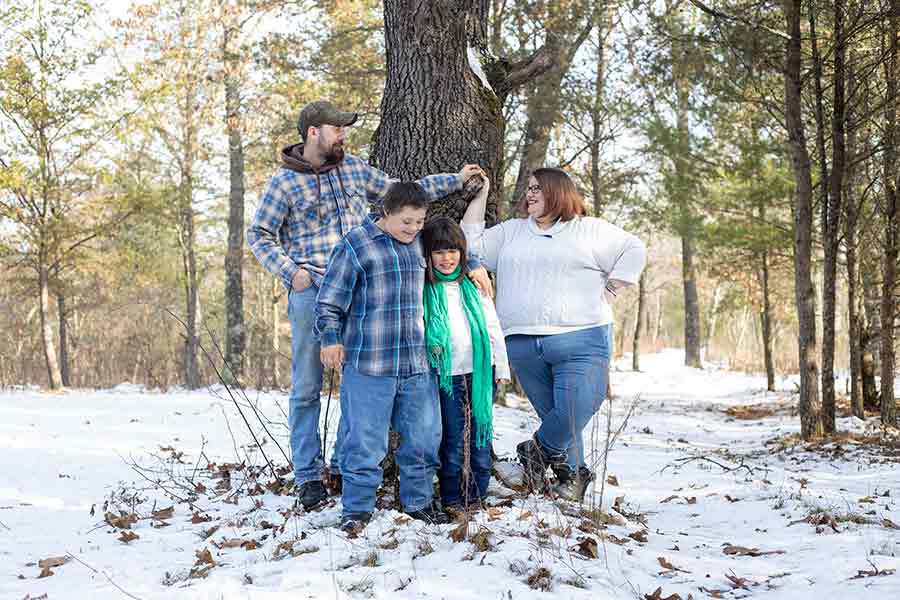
(454, 406)
(565, 376)
(371, 406)
(306, 388)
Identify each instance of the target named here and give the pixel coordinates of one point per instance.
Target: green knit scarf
(437, 341)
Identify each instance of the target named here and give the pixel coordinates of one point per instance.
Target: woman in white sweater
(557, 271)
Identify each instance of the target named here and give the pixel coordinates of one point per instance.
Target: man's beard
(334, 154)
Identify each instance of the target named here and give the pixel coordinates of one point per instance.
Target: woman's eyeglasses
(534, 189)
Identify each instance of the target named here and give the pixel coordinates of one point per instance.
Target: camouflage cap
(322, 112)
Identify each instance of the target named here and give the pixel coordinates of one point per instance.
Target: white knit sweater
(552, 280)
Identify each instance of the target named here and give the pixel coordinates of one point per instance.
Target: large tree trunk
(53, 373)
(640, 322)
(63, 339)
(443, 95)
(604, 25)
(809, 404)
(234, 264)
(766, 321)
(891, 224)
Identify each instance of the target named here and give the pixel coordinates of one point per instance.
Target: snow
(474, 56)
(62, 454)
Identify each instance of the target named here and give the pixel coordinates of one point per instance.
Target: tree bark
(63, 339)
(443, 97)
(891, 223)
(640, 322)
(809, 403)
(54, 376)
(188, 240)
(855, 322)
(234, 265)
(604, 25)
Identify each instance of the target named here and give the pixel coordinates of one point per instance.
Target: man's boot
(571, 485)
(535, 459)
(311, 494)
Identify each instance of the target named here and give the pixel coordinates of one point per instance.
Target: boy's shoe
(353, 523)
(311, 494)
(430, 515)
(571, 485)
(535, 459)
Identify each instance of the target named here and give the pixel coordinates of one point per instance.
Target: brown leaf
(199, 487)
(494, 513)
(402, 520)
(198, 518)
(669, 566)
(657, 595)
(615, 540)
(874, 572)
(692, 500)
(250, 545)
(612, 480)
(391, 544)
(669, 499)
(713, 593)
(204, 557)
(122, 521)
(587, 547)
(730, 499)
(232, 543)
(127, 536)
(46, 572)
(639, 535)
(53, 561)
(889, 524)
(525, 515)
(165, 513)
(459, 532)
(738, 582)
(742, 551)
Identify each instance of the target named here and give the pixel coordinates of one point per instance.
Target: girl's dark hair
(443, 233)
(561, 197)
(402, 194)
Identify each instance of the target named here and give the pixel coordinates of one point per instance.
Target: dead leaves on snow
(731, 550)
(46, 564)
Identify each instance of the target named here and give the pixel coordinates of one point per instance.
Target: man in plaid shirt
(314, 199)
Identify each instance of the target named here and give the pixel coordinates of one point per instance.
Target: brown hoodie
(292, 159)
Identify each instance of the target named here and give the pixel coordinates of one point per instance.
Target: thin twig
(2, 524)
(108, 578)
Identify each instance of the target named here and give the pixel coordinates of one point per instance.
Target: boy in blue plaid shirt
(316, 197)
(370, 320)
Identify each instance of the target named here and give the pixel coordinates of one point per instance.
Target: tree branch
(740, 19)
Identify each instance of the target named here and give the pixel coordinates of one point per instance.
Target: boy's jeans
(451, 475)
(565, 377)
(371, 406)
(304, 404)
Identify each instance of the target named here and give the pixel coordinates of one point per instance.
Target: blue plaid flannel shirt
(370, 301)
(302, 216)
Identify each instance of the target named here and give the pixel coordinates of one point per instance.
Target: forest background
(751, 144)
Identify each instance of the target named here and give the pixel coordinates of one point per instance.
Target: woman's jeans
(565, 377)
(457, 486)
(371, 406)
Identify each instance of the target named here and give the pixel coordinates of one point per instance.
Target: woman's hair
(443, 233)
(402, 194)
(561, 199)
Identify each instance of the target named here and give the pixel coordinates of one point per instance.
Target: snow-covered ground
(726, 506)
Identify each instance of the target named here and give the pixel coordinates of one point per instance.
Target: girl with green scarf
(465, 344)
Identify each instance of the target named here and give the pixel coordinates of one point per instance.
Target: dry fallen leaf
(612, 480)
(669, 566)
(742, 551)
(122, 521)
(204, 557)
(639, 535)
(494, 513)
(524, 515)
(657, 595)
(401, 520)
(165, 513)
(46, 572)
(199, 487)
(670, 498)
(53, 561)
(198, 518)
(587, 547)
(458, 534)
(127, 536)
(738, 582)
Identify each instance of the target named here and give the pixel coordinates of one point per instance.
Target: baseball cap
(322, 112)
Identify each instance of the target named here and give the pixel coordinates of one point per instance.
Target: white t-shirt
(552, 280)
(461, 334)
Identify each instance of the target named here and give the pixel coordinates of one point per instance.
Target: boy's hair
(402, 194)
(443, 233)
(561, 198)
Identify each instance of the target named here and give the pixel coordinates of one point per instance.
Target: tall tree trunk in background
(891, 223)
(234, 264)
(63, 316)
(683, 196)
(829, 236)
(766, 318)
(855, 324)
(566, 32)
(603, 21)
(809, 404)
(640, 322)
(444, 94)
(187, 239)
(54, 376)
(870, 276)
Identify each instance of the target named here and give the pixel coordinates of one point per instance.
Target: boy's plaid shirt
(302, 216)
(370, 301)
